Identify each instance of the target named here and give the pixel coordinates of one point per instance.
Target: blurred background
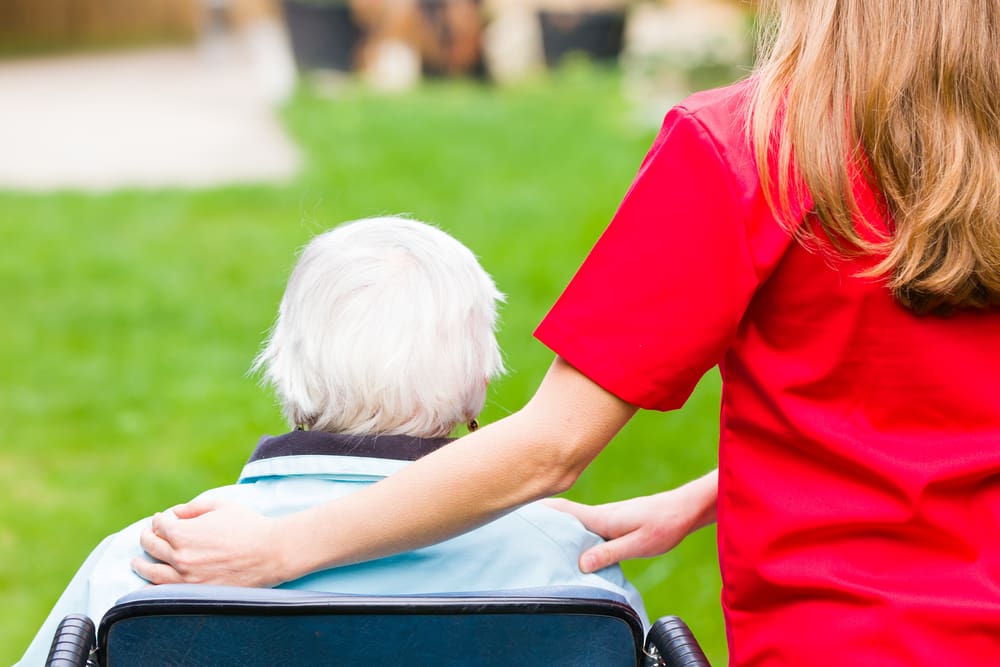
(163, 160)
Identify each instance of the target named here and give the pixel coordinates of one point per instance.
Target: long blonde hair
(902, 93)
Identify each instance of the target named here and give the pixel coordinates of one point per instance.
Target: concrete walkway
(178, 117)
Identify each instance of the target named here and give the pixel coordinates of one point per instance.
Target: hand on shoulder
(212, 542)
(645, 526)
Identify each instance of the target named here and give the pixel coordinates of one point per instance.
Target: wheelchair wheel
(674, 645)
(73, 642)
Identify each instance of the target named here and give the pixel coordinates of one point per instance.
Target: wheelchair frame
(544, 626)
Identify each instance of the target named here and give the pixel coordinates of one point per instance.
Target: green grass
(131, 317)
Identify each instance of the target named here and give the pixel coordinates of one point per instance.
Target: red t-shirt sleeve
(661, 295)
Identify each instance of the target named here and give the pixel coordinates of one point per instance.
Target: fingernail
(588, 564)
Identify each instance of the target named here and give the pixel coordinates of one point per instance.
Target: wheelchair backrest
(188, 625)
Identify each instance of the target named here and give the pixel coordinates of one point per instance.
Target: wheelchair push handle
(671, 642)
(73, 642)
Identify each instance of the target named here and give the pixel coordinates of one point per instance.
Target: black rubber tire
(675, 643)
(73, 642)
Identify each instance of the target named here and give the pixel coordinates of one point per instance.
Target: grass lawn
(132, 317)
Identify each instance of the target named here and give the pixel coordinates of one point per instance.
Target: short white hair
(388, 326)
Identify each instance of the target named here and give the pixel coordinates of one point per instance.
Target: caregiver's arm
(534, 453)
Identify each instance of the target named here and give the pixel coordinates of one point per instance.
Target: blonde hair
(386, 326)
(906, 95)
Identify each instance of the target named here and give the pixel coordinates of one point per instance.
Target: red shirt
(859, 488)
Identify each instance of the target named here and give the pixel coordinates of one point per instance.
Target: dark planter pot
(323, 36)
(596, 34)
(454, 28)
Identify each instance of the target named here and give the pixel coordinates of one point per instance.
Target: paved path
(156, 118)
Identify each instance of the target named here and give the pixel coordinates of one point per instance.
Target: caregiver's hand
(645, 526)
(212, 543)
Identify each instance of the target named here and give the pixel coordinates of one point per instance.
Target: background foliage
(131, 317)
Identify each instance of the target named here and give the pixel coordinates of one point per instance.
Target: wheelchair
(188, 625)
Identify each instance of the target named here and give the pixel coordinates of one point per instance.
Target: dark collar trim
(312, 443)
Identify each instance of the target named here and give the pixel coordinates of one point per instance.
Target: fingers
(158, 548)
(614, 551)
(195, 508)
(154, 545)
(156, 573)
(563, 505)
(593, 517)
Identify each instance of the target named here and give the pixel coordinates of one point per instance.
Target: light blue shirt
(532, 546)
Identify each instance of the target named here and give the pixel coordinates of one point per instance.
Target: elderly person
(384, 344)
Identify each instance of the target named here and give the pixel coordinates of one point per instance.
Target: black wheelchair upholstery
(188, 626)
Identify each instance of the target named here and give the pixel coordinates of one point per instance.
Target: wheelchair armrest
(73, 642)
(671, 644)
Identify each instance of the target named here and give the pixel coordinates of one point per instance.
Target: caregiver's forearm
(704, 495)
(537, 452)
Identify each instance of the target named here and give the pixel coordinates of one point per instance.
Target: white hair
(387, 325)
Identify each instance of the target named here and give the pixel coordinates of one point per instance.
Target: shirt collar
(319, 443)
